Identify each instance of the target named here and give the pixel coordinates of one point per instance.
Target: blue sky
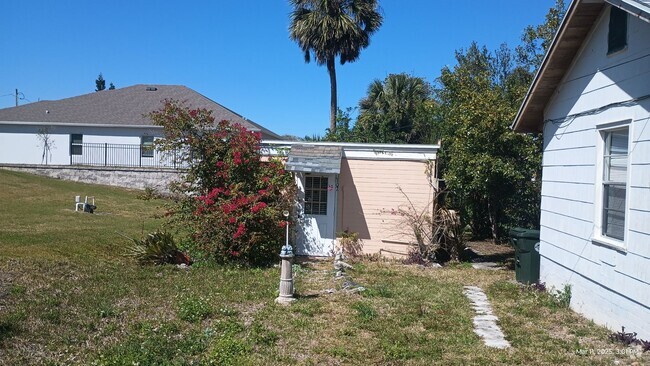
(237, 53)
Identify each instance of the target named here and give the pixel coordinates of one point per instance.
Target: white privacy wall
(19, 144)
(609, 285)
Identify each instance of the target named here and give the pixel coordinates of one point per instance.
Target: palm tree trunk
(331, 68)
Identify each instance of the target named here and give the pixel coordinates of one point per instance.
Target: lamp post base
(284, 300)
(286, 281)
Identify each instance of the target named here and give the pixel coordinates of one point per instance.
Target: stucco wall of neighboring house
(133, 178)
(610, 285)
(19, 143)
(369, 189)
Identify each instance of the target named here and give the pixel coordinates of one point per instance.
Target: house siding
(369, 189)
(608, 285)
(19, 144)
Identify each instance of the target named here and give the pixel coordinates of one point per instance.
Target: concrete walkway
(485, 322)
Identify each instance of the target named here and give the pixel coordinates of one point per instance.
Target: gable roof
(122, 107)
(578, 21)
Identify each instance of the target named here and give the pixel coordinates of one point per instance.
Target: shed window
(76, 144)
(617, 36)
(316, 190)
(146, 146)
(615, 161)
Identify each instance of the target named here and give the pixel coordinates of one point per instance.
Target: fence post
(174, 158)
(140, 155)
(105, 153)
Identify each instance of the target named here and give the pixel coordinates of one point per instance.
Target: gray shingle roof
(122, 107)
(313, 158)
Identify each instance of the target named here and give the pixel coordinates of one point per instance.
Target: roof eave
(529, 118)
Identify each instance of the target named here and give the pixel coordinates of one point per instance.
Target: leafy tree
(537, 39)
(344, 131)
(491, 170)
(111, 87)
(398, 109)
(330, 28)
(231, 200)
(494, 173)
(100, 83)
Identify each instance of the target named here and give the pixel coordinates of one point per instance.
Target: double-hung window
(614, 183)
(76, 144)
(146, 146)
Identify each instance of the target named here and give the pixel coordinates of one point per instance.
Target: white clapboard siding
(609, 284)
(582, 192)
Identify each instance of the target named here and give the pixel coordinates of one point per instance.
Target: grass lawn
(68, 296)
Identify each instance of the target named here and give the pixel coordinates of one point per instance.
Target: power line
(598, 110)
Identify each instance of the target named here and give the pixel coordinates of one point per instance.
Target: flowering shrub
(231, 198)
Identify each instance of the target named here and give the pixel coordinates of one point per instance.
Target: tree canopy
(396, 110)
(326, 29)
(100, 83)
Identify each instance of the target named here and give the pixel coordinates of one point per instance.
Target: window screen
(76, 144)
(617, 36)
(146, 146)
(316, 190)
(615, 183)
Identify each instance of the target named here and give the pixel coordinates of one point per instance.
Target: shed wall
(611, 286)
(369, 190)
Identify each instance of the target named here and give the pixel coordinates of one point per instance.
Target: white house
(106, 128)
(591, 100)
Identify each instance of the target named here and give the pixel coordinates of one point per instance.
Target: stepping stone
(485, 322)
(486, 265)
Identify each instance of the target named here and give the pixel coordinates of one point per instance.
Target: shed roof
(127, 106)
(314, 159)
(578, 21)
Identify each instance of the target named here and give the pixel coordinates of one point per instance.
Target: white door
(316, 234)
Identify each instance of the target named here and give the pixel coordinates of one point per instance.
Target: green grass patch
(69, 296)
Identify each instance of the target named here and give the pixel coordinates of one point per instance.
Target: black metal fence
(123, 155)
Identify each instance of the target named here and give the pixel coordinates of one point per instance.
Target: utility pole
(16, 97)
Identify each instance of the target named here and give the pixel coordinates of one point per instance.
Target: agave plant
(157, 247)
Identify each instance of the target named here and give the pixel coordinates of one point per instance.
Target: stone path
(485, 322)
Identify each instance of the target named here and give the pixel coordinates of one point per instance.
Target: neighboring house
(358, 188)
(591, 100)
(106, 128)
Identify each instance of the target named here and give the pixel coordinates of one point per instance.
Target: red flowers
(240, 231)
(236, 158)
(258, 206)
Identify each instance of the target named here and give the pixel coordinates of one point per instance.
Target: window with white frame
(316, 190)
(614, 182)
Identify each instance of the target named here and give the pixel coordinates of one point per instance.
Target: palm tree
(330, 28)
(395, 110)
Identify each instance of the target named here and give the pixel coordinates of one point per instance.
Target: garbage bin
(526, 244)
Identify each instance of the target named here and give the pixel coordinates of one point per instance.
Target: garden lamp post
(286, 272)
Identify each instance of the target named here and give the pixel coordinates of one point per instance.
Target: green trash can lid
(521, 233)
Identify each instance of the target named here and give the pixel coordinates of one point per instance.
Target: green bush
(231, 199)
(158, 247)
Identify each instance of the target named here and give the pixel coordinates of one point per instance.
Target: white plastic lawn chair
(81, 205)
